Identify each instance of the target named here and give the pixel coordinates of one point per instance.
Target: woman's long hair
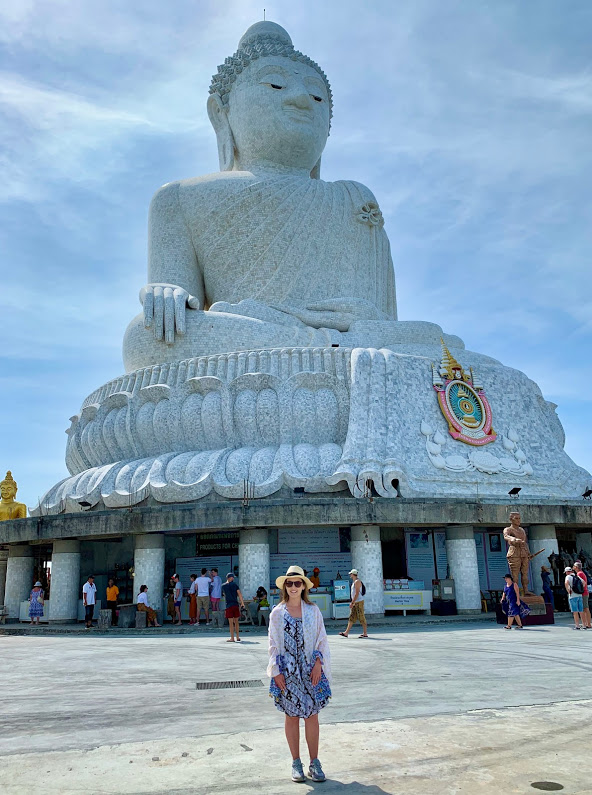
(303, 594)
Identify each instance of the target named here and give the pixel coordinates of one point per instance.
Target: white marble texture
(366, 552)
(322, 419)
(461, 552)
(19, 578)
(65, 581)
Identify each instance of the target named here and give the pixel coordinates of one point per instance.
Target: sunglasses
(294, 583)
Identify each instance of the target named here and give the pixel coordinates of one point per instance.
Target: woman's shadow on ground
(353, 788)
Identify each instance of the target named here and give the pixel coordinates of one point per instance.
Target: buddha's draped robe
(292, 241)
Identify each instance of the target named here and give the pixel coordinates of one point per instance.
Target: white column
(253, 560)
(65, 582)
(19, 578)
(3, 562)
(366, 552)
(149, 567)
(541, 536)
(462, 561)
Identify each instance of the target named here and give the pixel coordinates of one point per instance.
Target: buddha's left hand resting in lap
(262, 254)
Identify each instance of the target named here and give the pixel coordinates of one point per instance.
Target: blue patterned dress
(35, 606)
(300, 699)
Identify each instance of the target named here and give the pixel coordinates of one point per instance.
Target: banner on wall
(420, 555)
(305, 540)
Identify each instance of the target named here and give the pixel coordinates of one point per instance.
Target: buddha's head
(8, 488)
(270, 103)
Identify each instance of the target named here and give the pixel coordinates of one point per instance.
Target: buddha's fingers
(169, 316)
(147, 301)
(158, 313)
(180, 298)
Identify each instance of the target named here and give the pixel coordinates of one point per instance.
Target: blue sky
(471, 122)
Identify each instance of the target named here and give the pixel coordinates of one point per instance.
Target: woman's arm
(274, 649)
(322, 644)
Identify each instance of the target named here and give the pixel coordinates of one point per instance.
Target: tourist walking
(215, 590)
(575, 589)
(511, 602)
(203, 595)
(233, 596)
(193, 599)
(579, 570)
(356, 606)
(547, 589)
(178, 595)
(299, 667)
(89, 598)
(36, 603)
(170, 594)
(143, 606)
(112, 594)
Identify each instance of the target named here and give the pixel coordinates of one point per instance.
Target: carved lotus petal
(513, 435)
(527, 469)
(438, 461)
(433, 449)
(510, 464)
(425, 429)
(520, 455)
(508, 443)
(456, 462)
(485, 462)
(439, 438)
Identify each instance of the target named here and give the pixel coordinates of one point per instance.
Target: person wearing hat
(299, 667)
(575, 588)
(315, 579)
(36, 603)
(233, 596)
(356, 606)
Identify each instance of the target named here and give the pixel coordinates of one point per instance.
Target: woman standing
(36, 603)
(299, 667)
(547, 590)
(511, 596)
(144, 607)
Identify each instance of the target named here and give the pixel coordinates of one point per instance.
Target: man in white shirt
(203, 595)
(89, 590)
(178, 598)
(215, 590)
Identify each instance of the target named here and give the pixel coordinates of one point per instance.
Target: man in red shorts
(233, 596)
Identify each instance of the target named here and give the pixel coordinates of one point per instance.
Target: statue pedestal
(324, 420)
(537, 605)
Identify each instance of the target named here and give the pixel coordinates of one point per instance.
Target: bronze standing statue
(518, 552)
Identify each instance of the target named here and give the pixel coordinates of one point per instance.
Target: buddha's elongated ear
(316, 170)
(219, 118)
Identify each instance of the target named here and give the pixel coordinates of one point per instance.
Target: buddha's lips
(299, 114)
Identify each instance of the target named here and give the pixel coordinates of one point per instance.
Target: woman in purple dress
(511, 596)
(36, 603)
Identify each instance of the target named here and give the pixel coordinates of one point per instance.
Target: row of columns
(16, 567)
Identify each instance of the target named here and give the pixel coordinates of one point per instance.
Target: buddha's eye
(316, 99)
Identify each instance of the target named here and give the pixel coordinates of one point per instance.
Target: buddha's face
(279, 112)
(7, 492)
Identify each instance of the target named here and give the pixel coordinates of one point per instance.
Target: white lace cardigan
(315, 638)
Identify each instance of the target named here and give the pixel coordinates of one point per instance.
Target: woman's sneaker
(297, 771)
(315, 771)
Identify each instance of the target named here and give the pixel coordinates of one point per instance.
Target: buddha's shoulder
(201, 189)
(360, 190)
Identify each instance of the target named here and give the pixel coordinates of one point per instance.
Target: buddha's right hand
(164, 309)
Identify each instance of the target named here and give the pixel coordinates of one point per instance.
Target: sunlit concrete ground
(457, 708)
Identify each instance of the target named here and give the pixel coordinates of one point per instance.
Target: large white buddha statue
(263, 253)
(268, 355)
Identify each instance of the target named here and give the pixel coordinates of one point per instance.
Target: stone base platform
(323, 420)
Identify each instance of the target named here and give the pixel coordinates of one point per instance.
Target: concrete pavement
(455, 708)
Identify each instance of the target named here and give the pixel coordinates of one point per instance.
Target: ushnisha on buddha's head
(8, 488)
(270, 105)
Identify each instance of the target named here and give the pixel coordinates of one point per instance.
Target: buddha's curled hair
(260, 47)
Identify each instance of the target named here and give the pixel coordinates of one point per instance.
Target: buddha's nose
(298, 97)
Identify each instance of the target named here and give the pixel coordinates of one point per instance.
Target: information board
(420, 555)
(481, 564)
(328, 563)
(305, 540)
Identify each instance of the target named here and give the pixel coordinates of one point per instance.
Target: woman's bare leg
(311, 730)
(293, 735)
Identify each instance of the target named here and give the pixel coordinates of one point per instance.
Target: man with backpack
(579, 570)
(575, 589)
(356, 606)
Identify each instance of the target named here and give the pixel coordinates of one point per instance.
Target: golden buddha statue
(9, 507)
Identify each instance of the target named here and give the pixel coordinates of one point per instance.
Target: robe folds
(291, 241)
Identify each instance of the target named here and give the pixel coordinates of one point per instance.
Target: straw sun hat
(294, 571)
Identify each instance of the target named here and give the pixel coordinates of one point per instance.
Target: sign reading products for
(207, 544)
